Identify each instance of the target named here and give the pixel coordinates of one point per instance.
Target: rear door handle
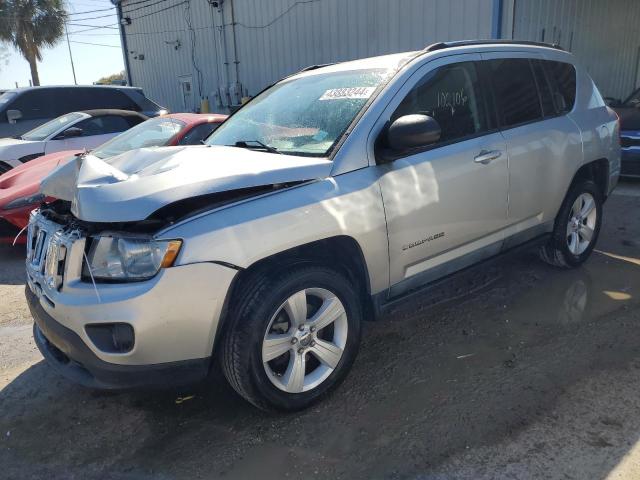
(485, 157)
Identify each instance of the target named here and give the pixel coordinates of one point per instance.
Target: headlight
(24, 201)
(128, 258)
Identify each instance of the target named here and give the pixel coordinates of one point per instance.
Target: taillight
(617, 132)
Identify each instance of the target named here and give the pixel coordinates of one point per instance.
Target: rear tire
(292, 337)
(576, 228)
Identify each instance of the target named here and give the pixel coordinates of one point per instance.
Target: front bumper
(170, 319)
(67, 353)
(174, 315)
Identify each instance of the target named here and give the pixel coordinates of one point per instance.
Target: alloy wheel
(305, 340)
(582, 223)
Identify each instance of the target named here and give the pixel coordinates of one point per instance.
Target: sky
(91, 61)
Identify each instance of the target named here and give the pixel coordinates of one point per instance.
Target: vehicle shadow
(466, 364)
(12, 265)
(434, 378)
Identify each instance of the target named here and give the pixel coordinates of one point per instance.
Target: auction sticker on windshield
(348, 93)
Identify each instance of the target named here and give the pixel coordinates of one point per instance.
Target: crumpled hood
(133, 185)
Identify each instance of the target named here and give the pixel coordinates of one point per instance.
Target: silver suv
(332, 193)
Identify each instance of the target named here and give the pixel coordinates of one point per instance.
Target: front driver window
(449, 94)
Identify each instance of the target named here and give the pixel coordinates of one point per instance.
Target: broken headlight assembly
(128, 259)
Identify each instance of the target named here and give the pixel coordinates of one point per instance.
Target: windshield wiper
(256, 145)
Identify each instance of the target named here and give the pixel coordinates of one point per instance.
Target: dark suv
(24, 109)
(629, 113)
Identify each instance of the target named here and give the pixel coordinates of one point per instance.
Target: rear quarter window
(563, 83)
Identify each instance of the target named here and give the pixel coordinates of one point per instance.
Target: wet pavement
(512, 370)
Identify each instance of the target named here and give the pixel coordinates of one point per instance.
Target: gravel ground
(513, 370)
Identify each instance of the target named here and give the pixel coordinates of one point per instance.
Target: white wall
(277, 37)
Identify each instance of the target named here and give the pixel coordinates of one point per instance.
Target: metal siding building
(603, 34)
(180, 51)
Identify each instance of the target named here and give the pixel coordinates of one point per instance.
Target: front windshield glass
(45, 131)
(304, 116)
(634, 99)
(155, 132)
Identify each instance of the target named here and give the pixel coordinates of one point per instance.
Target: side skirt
(423, 281)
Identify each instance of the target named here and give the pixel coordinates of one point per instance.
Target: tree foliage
(30, 25)
(109, 79)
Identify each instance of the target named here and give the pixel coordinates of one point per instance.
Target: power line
(291, 7)
(95, 44)
(91, 11)
(130, 11)
(76, 32)
(160, 11)
(155, 2)
(94, 18)
(71, 14)
(94, 26)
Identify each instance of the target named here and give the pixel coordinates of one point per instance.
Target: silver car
(336, 191)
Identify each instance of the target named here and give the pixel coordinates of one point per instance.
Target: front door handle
(485, 157)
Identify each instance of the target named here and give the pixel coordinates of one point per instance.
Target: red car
(20, 187)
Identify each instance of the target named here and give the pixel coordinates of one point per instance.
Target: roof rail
(305, 69)
(465, 43)
(315, 67)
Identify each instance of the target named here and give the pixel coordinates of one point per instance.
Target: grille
(626, 142)
(47, 247)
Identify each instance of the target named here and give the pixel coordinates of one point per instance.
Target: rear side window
(35, 104)
(515, 91)
(563, 83)
(451, 95)
(77, 99)
(108, 98)
(544, 90)
(67, 100)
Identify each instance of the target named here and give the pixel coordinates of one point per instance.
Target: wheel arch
(341, 252)
(597, 171)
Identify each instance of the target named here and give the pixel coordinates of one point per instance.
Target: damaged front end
(102, 227)
(170, 182)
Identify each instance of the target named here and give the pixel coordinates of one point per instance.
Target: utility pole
(66, 32)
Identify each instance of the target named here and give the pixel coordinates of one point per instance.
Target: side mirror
(13, 116)
(411, 132)
(71, 132)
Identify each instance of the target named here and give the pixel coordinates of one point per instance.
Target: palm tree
(30, 25)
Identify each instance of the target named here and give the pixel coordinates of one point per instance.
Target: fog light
(112, 337)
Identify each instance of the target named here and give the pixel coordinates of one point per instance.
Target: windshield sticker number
(347, 93)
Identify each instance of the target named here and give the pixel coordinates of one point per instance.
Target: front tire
(576, 228)
(292, 338)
